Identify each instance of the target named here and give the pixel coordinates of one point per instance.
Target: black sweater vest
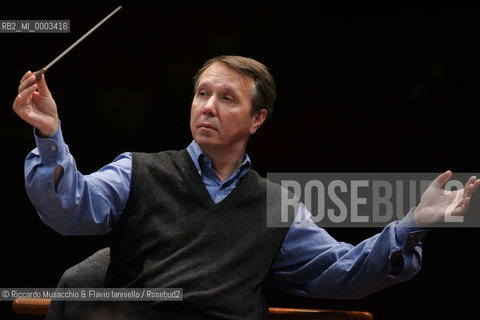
(172, 235)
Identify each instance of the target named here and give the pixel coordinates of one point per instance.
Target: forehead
(218, 74)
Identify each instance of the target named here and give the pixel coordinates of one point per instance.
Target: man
(195, 218)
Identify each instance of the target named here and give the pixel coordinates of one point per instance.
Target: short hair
(264, 91)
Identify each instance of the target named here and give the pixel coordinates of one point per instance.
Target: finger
(442, 179)
(26, 83)
(42, 87)
(22, 97)
(459, 210)
(472, 187)
(26, 75)
(471, 180)
(469, 187)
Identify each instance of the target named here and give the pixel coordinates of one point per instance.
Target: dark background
(361, 88)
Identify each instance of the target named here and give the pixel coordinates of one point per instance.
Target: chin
(204, 141)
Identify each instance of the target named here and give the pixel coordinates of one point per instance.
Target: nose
(210, 107)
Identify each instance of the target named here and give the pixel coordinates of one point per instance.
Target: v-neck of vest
(205, 193)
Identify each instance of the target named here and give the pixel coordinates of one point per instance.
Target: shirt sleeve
(80, 204)
(312, 263)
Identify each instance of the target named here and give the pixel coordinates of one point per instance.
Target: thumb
(42, 87)
(442, 179)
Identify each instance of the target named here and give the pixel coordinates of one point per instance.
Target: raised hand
(439, 205)
(35, 105)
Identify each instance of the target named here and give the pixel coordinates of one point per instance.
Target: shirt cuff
(51, 149)
(408, 232)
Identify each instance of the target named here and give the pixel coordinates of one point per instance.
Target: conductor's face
(221, 114)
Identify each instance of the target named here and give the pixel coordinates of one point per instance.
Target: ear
(258, 118)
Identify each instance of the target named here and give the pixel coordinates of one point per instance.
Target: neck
(225, 162)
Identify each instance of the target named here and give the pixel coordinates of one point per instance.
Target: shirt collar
(196, 152)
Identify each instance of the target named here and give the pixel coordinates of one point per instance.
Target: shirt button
(53, 148)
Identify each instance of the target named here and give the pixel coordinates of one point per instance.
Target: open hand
(438, 204)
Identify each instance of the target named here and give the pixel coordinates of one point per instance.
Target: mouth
(206, 126)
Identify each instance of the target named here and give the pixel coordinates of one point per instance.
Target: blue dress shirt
(310, 262)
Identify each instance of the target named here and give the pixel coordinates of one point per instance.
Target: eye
(228, 99)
